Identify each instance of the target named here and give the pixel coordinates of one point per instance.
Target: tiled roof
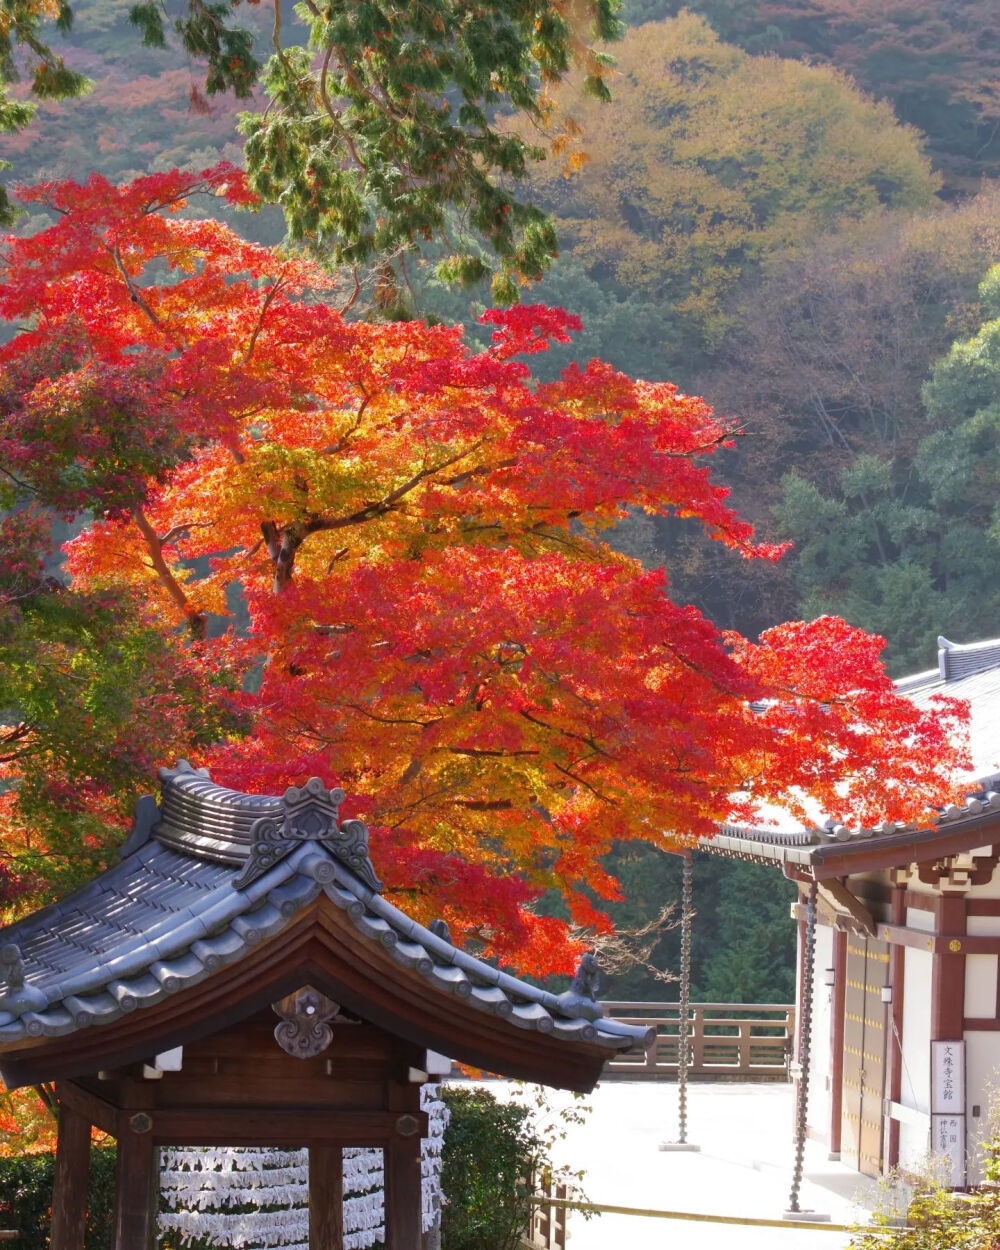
(970, 672)
(174, 911)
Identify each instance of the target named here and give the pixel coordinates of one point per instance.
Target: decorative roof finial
(440, 929)
(309, 814)
(581, 997)
(12, 966)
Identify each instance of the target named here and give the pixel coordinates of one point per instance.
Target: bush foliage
(26, 1198)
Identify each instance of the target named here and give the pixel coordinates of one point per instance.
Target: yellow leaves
(709, 159)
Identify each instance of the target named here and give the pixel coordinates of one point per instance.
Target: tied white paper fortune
(257, 1198)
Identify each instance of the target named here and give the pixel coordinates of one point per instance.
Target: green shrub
(490, 1151)
(938, 1219)
(26, 1198)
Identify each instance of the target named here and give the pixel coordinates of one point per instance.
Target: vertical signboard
(948, 1109)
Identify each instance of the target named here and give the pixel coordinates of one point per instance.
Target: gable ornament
(305, 1031)
(310, 813)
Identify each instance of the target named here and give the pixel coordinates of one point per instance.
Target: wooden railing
(547, 1226)
(726, 1041)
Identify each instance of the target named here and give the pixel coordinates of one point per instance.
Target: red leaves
(83, 434)
(413, 530)
(528, 328)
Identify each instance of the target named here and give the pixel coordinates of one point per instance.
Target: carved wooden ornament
(305, 1030)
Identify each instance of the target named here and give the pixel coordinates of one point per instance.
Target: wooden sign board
(948, 1148)
(948, 1078)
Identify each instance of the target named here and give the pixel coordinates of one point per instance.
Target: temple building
(899, 946)
(238, 979)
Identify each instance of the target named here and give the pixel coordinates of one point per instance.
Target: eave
(321, 947)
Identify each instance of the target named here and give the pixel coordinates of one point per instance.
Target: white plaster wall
(915, 1091)
(992, 888)
(983, 926)
(818, 1116)
(982, 1088)
(917, 918)
(981, 986)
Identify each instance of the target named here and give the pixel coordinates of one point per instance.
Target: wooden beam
(845, 901)
(72, 1176)
(306, 1126)
(96, 1110)
(403, 1220)
(326, 1198)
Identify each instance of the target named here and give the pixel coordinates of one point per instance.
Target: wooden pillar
(402, 1192)
(948, 974)
(137, 1184)
(897, 977)
(837, 1009)
(326, 1198)
(72, 1175)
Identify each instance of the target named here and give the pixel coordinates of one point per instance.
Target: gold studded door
(864, 1054)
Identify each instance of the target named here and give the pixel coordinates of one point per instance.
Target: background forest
(790, 207)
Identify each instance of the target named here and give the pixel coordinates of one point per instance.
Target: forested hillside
(788, 207)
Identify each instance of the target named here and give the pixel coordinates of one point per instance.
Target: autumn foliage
(409, 536)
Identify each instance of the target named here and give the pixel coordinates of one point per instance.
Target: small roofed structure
(238, 979)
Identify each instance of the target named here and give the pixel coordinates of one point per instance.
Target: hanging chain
(805, 1036)
(683, 1052)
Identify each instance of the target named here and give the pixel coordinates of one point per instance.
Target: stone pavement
(744, 1168)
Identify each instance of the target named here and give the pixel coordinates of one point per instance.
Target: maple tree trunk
(197, 621)
(282, 544)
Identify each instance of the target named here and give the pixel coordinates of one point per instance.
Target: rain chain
(805, 1036)
(683, 1048)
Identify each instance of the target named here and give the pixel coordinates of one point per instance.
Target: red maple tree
(414, 533)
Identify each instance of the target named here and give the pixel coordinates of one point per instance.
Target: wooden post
(326, 1198)
(402, 1192)
(72, 1174)
(948, 972)
(137, 1184)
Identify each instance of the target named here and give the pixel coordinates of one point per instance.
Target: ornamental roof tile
(179, 907)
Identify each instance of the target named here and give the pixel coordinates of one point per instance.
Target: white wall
(917, 918)
(981, 986)
(915, 1091)
(982, 1084)
(818, 1117)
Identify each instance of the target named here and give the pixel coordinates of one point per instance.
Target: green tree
(934, 61)
(23, 53)
(380, 133)
(908, 545)
(710, 162)
(743, 943)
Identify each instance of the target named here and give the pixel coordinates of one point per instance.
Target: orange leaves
(409, 530)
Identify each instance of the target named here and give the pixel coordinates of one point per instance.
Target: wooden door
(864, 1054)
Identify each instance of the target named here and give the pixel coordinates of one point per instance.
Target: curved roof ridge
(167, 917)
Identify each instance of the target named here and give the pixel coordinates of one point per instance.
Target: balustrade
(726, 1041)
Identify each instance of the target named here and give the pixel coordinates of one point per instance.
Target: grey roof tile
(169, 915)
